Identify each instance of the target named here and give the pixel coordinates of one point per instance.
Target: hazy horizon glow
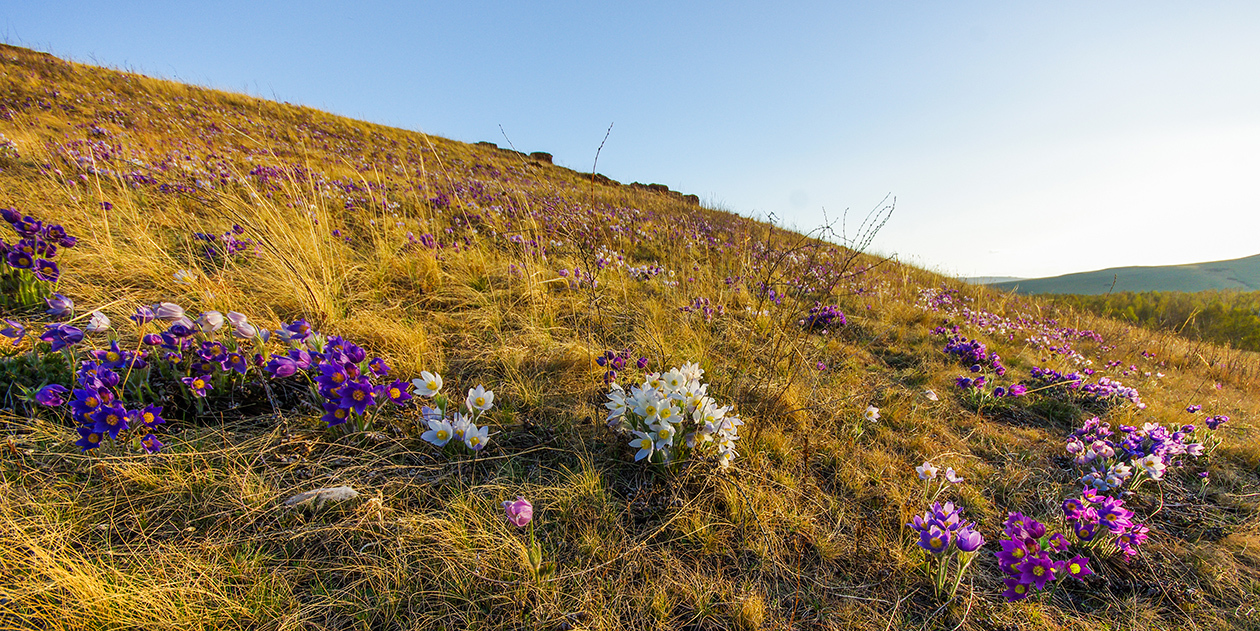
(1020, 139)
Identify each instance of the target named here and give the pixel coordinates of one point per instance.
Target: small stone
(319, 497)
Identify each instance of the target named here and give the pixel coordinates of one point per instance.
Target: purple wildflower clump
(340, 373)
(1027, 557)
(1104, 393)
(614, 362)
(221, 247)
(822, 318)
(950, 543)
(1102, 523)
(703, 307)
(97, 402)
(1111, 460)
(26, 264)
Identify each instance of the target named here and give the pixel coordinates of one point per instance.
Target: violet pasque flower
(281, 366)
(151, 444)
(14, 331)
(52, 395)
(358, 395)
(968, 540)
(46, 270)
(59, 306)
(198, 385)
(520, 512)
(61, 336)
(98, 323)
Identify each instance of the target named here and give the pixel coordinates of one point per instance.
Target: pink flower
(519, 512)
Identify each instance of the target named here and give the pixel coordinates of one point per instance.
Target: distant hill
(989, 280)
(1241, 274)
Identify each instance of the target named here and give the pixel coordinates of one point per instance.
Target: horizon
(1018, 140)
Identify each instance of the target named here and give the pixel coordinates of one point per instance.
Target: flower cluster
(1106, 391)
(340, 372)
(1112, 459)
(461, 428)
(822, 318)
(97, 403)
(671, 417)
(950, 542)
(1027, 557)
(703, 307)
(27, 262)
(1095, 519)
(613, 362)
(226, 245)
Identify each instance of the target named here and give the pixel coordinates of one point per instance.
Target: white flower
(99, 323)
(1153, 466)
(674, 381)
(210, 322)
(479, 398)
(692, 371)
(668, 414)
(952, 477)
(428, 384)
(872, 413)
(649, 407)
(927, 471)
(440, 432)
(665, 435)
(477, 437)
(645, 443)
(185, 277)
(931, 395)
(461, 425)
(616, 403)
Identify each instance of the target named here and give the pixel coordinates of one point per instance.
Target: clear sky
(1019, 138)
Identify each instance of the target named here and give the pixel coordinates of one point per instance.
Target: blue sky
(1019, 138)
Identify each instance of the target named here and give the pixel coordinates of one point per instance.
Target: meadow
(561, 402)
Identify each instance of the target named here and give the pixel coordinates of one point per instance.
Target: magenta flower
(358, 395)
(968, 540)
(198, 385)
(520, 512)
(151, 444)
(281, 366)
(935, 539)
(1038, 570)
(1015, 589)
(1077, 567)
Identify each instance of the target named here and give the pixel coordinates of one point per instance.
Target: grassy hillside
(492, 268)
(1235, 274)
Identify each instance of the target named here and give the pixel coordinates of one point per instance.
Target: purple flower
(1015, 589)
(19, 259)
(89, 439)
(520, 512)
(642, 363)
(1058, 542)
(1038, 570)
(1012, 554)
(15, 331)
(51, 395)
(358, 395)
(379, 367)
(150, 416)
(281, 366)
(334, 414)
(168, 311)
(935, 539)
(1017, 390)
(398, 392)
(198, 385)
(968, 539)
(1077, 567)
(235, 361)
(151, 444)
(46, 270)
(59, 306)
(61, 336)
(110, 419)
(143, 315)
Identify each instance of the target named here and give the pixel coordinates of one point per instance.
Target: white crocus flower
(674, 381)
(461, 425)
(99, 323)
(692, 371)
(479, 398)
(668, 414)
(872, 413)
(665, 435)
(927, 471)
(644, 442)
(931, 395)
(440, 432)
(210, 322)
(428, 384)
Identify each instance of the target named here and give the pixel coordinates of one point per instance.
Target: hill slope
(352, 241)
(1240, 274)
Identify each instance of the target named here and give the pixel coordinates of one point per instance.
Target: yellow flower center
(112, 356)
(148, 417)
(1075, 568)
(474, 441)
(1021, 588)
(339, 413)
(935, 542)
(91, 402)
(645, 443)
(480, 401)
(1038, 570)
(112, 419)
(338, 377)
(394, 393)
(460, 433)
(358, 395)
(94, 438)
(442, 435)
(432, 385)
(1018, 553)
